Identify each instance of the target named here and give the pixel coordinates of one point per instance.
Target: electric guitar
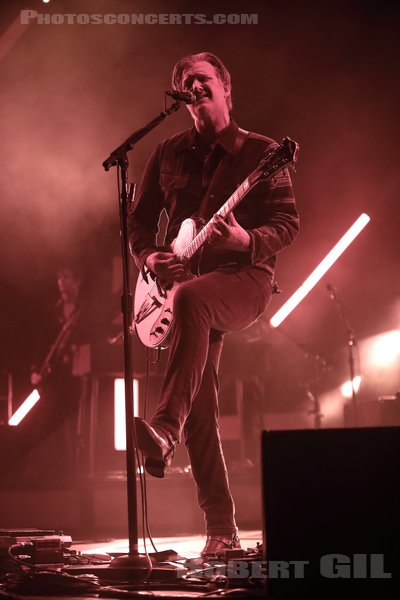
(57, 348)
(153, 304)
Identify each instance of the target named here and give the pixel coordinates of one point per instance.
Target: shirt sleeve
(280, 219)
(144, 216)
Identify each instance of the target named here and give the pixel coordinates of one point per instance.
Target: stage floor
(188, 546)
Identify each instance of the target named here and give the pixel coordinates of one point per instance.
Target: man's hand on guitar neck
(166, 266)
(228, 234)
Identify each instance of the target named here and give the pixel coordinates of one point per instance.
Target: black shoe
(217, 545)
(157, 446)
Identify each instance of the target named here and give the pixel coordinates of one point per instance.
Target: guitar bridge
(147, 308)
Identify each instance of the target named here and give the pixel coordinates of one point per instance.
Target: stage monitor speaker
(331, 499)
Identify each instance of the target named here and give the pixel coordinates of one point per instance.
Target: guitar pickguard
(154, 310)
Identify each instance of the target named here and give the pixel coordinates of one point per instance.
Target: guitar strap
(209, 204)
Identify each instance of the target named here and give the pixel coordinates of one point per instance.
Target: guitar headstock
(275, 160)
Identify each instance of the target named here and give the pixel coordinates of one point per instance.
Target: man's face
(203, 81)
(67, 283)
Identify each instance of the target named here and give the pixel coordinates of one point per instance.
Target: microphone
(332, 291)
(186, 97)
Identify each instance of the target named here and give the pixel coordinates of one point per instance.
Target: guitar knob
(159, 330)
(165, 321)
(168, 310)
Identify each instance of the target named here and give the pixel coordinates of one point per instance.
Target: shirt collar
(225, 138)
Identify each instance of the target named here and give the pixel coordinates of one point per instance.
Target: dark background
(326, 74)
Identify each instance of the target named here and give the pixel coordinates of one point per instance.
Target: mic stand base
(131, 561)
(128, 570)
(139, 567)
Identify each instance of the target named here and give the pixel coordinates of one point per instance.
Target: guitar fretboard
(225, 209)
(274, 161)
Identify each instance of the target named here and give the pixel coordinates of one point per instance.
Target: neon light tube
(320, 270)
(119, 411)
(25, 407)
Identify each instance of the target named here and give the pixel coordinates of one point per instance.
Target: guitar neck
(60, 342)
(274, 161)
(223, 212)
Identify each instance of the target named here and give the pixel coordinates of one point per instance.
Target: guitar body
(153, 307)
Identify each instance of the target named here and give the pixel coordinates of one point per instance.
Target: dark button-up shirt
(176, 179)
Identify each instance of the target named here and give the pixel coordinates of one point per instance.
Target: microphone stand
(351, 342)
(319, 366)
(119, 158)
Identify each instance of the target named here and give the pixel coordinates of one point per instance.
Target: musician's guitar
(153, 305)
(53, 356)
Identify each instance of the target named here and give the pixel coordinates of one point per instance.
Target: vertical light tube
(119, 411)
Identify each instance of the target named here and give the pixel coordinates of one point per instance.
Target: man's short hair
(74, 268)
(188, 61)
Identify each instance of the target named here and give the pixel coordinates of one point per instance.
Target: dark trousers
(204, 309)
